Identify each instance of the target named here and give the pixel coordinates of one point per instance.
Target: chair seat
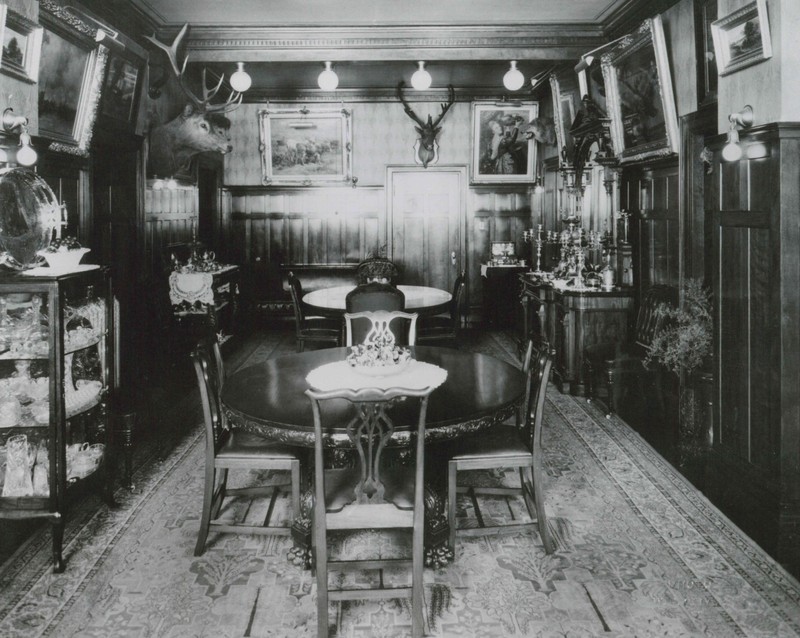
(243, 445)
(398, 485)
(443, 322)
(322, 323)
(498, 442)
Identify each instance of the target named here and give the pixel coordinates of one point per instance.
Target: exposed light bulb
(421, 79)
(158, 184)
(241, 80)
(171, 184)
(328, 80)
(513, 79)
(538, 189)
(26, 156)
(732, 151)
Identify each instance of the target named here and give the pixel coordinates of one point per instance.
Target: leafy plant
(684, 340)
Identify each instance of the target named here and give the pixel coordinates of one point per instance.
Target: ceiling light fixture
(513, 79)
(25, 153)
(328, 80)
(240, 80)
(732, 151)
(421, 79)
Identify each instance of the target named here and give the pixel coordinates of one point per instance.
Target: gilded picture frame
(22, 44)
(641, 104)
(306, 147)
(563, 114)
(71, 71)
(501, 151)
(742, 38)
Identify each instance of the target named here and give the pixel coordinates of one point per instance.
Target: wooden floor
(170, 408)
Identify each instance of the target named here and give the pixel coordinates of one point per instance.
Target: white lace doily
(191, 287)
(339, 375)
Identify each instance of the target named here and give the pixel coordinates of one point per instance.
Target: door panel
(426, 219)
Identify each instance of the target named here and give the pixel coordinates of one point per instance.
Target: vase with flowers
(683, 345)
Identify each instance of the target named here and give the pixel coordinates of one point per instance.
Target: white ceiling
(316, 13)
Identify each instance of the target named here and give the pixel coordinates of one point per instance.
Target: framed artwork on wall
(640, 101)
(742, 38)
(593, 84)
(71, 72)
(122, 88)
(304, 147)
(501, 150)
(22, 44)
(705, 12)
(564, 115)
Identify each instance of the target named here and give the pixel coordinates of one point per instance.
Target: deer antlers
(430, 125)
(202, 105)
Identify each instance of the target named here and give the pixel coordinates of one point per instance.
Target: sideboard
(569, 320)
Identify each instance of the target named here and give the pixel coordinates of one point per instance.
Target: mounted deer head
(427, 149)
(200, 127)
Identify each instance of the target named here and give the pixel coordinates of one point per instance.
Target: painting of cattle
(305, 147)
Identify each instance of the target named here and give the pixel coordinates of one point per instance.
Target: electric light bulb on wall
(732, 152)
(26, 156)
(241, 80)
(421, 79)
(328, 80)
(513, 79)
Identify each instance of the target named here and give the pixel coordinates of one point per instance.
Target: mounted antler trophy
(200, 127)
(426, 147)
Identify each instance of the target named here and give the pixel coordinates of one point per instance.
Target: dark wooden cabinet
(501, 290)
(569, 321)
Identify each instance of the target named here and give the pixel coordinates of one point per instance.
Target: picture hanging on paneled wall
(742, 38)
(303, 147)
(502, 149)
(22, 44)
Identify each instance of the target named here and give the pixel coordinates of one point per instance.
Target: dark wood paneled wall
(651, 193)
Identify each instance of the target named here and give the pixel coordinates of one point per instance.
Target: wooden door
(426, 218)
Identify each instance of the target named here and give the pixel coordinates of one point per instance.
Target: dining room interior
(359, 319)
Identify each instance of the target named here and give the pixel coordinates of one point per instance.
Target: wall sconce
(328, 80)
(732, 151)
(421, 79)
(240, 79)
(513, 79)
(26, 155)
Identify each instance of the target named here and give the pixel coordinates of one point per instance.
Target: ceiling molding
(628, 16)
(261, 96)
(542, 42)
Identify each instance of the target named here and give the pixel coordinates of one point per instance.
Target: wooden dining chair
(507, 446)
(313, 329)
(369, 496)
(228, 449)
(445, 328)
(375, 296)
(380, 328)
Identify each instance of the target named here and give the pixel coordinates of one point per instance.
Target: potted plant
(683, 344)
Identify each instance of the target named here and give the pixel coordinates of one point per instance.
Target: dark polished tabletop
(423, 300)
(268, 398)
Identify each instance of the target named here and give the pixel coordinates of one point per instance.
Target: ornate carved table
(480, 391)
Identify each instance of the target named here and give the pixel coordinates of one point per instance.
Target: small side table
(501, 294)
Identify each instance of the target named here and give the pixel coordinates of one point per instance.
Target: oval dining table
(424, 300)
(268, 399)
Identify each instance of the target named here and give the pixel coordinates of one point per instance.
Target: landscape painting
(61, 73)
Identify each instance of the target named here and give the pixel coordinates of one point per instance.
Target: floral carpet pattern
(640, 553)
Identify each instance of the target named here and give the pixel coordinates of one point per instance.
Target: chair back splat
(380, 328)
(370, 496)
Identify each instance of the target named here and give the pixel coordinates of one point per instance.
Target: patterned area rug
(640, 553)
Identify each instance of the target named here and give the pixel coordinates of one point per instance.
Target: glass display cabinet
(56, 376)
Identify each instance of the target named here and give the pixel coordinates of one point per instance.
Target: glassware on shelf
(19, 463)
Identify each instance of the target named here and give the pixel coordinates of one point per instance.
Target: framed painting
(122, 87)
(641, 105)
(742, 38)
(304, 146)
(71, 72)
(593, 84)
(501, 151)
(705, 12)
(22, 44)
(564, 115)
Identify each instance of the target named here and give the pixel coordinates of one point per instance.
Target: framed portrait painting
(501, 151)
(22, 44)
(641, 105)
(304, 146)
(742, 38)
(70, 78)
(122, 87)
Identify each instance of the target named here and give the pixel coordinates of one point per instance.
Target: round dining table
(424, 300)
(269, 399)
